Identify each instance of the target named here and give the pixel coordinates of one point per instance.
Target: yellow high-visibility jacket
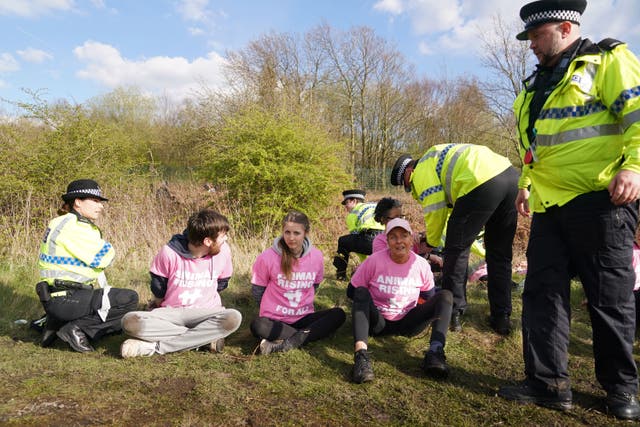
(73, 249)
(588, 128)
(360, 218)
(447, 172)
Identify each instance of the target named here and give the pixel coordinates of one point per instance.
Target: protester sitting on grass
(186, 276)
(284, 280)
(78, 302)
(385, 302)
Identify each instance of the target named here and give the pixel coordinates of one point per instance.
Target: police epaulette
(608, 43)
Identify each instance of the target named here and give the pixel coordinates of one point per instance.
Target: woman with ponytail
(284, 280)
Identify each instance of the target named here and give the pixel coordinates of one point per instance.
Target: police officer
(477, 188)
(73, 290)
(362, 227)
(578, 120)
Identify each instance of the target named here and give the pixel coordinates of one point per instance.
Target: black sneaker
(623, 405)
(525, 393)
(500, 324)
(294, 341)
(362, 370)
(435, 364)
(455, 325)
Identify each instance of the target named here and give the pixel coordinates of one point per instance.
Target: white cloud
(177, 77)
(36, 56)
(32, 8)
(394, 7)
(194, 10)
(3, 84)
(8, 63)
(451, 25)
(196, 31)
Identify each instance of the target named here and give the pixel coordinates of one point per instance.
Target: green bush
(269, 165)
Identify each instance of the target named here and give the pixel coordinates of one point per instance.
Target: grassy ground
(56, 386)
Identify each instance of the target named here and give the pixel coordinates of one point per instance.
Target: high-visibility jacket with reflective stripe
(360, 218)
(73, 249)
(447, 172)
(588, 128)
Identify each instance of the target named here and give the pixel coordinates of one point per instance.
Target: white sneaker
(134, 348)
(267, 347)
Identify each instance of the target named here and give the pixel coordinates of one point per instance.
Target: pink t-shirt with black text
(394, 288)
(192, 282)
(287, 300)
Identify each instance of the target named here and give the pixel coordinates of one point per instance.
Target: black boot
(455, 325)
(362, 370)
(435, 364)
(525, 392)
(73, 335)
(623, 405)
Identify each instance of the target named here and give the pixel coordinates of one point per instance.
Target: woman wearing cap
(284, 280)
(385, 302)
(74, 292)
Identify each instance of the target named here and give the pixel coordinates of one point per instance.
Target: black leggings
(320, 325)
(367, 320)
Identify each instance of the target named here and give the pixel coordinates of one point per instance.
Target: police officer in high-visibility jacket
(73, 290)
(477, 188)
(578, 119)
(362, 226)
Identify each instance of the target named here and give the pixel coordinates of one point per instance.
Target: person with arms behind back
(387, 286)
(578, 119)
(186, 277)
(79, 303)
(284, 282)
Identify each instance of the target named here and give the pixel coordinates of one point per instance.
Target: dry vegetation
(56, 386)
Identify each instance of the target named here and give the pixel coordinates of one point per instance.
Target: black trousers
(592, 238)
(80, 307)
(360, 243)
(492, 206)
(367, 320)
(320, 324)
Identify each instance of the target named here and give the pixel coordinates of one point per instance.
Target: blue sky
(76, 49)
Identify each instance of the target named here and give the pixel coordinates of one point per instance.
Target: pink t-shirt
(395, 288)
(287, 300)
(193, 282)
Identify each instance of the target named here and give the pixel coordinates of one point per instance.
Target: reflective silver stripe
(434, 207)
(578, 134)
(631, 118)
(53, 236)
(58, 274)
(429, 155)
(449, 175)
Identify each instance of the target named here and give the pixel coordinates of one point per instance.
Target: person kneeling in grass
(186, 276)
(387, 286)
(284, 280)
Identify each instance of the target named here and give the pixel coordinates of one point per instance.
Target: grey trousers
(177, 329)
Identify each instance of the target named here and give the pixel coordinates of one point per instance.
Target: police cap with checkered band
(543, 11)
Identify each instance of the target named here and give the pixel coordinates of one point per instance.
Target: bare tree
(507, 59)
